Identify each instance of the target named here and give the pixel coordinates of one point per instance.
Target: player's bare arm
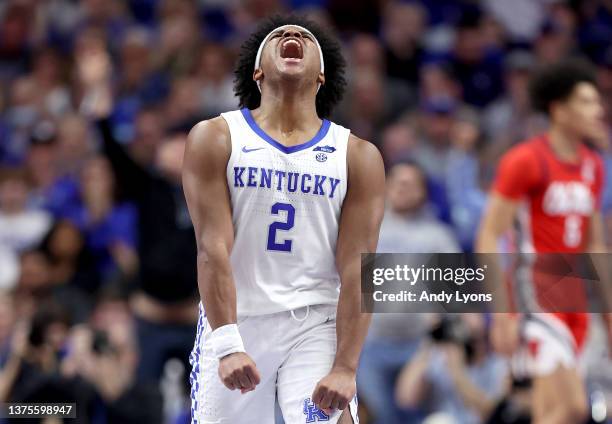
(360, 220)
(497, 220)
(205, 185)
(597, 246)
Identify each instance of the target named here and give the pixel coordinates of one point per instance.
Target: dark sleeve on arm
(131, 177)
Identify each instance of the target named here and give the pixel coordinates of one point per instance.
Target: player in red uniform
(552, 185)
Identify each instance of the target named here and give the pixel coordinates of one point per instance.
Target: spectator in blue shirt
(109, 228)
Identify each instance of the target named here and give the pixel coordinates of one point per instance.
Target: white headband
(267, 37)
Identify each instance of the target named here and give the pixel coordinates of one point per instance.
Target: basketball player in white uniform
(283, 202)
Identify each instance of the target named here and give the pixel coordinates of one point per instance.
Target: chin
(292, 74)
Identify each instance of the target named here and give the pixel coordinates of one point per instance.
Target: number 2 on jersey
(285, 245)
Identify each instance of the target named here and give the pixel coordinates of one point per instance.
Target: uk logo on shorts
(313, 414)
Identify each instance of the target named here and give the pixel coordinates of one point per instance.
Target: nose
(292, 32)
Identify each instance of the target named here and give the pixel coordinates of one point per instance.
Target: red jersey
(560, 199)
(561, 196)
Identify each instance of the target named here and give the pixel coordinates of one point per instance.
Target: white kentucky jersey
(286, 205)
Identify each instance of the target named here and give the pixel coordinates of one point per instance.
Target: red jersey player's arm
(496, 221)
(596, 243)
(517, 173)
(205, 185)
(360, 220)
(596, 240)
(597, 248)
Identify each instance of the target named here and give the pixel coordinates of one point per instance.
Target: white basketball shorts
(292, 351)
(547, 344)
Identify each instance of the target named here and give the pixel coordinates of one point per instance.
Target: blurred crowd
(98, 294)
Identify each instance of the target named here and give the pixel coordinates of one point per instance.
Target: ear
(258, 74)
(321, 78)
(555, 109)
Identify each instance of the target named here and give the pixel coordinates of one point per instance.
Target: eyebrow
(280, 31)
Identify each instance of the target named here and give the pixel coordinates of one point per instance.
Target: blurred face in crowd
(7, 315)
(437, 127)
(214, 64)
(367, 92)
(366, 53)
(464, 134)
(183, 102)
(73, 140)
(435, 82)
(404, 23)
(553, 45)
(41, 164)
(516, 84)
(174, 8)
(406, 191)
(66, 242)
(15, 27)
(47, 68)
(97, 180)
(24, 102)
(582, 113)
(493, 32)
(149, 134)
(35, 272)
(23, 92)
(170, 158)
(178, 33)
(100, 9)
(398, 142)
(469, 45)
(290, 55)
(135, 58)
(475, 323)
(13, 193)
(260, 8)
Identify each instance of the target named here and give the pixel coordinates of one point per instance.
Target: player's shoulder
(593, 162)
(210, 128)
(592, 153)
(364, 160)
(362, 148)
(212, 132)
(525, 152)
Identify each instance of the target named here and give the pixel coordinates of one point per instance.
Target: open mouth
(291, 49)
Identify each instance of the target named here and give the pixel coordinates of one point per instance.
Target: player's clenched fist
(335, 391)
(238, 371)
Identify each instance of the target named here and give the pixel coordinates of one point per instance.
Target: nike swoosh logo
(245, 150)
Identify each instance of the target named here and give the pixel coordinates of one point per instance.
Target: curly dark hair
(329, 94)
(556, 82)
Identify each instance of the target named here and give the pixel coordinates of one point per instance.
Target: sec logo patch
(321, 157)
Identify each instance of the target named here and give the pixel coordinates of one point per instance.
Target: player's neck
(287, 112)
(564, 144)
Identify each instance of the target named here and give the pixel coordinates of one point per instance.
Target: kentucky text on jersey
(291, 182)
